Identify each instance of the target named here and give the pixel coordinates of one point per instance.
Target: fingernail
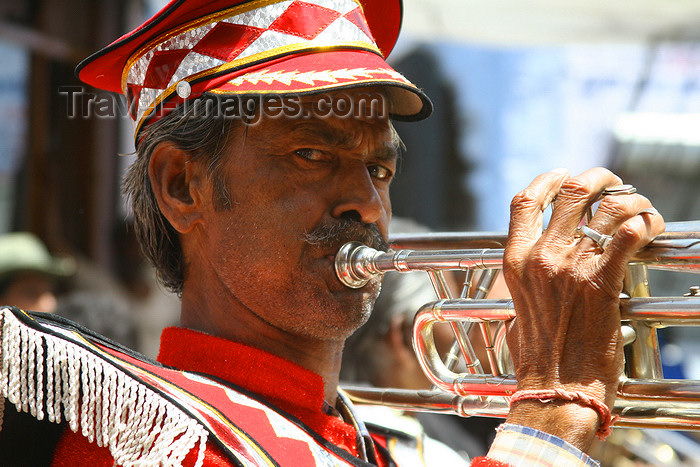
(650, 211)
(560, 170)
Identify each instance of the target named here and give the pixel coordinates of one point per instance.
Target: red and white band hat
(269, 47)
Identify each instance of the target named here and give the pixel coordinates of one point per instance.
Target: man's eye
(310, 154)
(380, 172)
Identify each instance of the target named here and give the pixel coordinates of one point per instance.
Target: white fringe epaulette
(140, 427)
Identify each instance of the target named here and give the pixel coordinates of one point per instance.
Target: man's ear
(177, 185)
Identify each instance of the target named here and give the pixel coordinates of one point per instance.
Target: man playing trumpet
(264, 142)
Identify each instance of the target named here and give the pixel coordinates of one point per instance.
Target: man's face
(292, 182)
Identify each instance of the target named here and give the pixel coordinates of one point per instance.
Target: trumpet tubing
(662, 413)
(356, 264)
(644, 397)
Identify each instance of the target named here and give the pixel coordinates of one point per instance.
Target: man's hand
(566, 288)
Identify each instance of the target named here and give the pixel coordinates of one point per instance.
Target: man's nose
(358, 197)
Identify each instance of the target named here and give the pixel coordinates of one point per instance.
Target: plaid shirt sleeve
(521, 445)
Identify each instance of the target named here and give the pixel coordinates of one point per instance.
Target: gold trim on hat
(150, 98)
(168, 92)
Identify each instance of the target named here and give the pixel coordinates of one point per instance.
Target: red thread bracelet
(548, 395)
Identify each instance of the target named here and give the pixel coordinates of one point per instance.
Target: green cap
(24, 252)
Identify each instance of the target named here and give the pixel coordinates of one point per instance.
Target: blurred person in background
(29, 273)
(100, 313)
(132, 308)
(380, 354)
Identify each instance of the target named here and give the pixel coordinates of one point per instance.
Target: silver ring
(619, 190)
(616, 190)
(600, 239)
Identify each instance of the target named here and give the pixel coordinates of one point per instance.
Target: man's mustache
(334, 234)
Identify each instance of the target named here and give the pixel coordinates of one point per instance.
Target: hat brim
(311, 73)
(57, 268)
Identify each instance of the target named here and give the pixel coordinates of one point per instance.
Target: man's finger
(576, 195)
(527, 207)
(614, 211)
(633, 234)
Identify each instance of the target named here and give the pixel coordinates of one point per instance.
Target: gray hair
(205, 138)
(200, 127)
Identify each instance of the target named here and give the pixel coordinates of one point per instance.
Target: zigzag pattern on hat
(312, 77)
(237, 38)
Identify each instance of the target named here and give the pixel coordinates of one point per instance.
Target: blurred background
(520, 87)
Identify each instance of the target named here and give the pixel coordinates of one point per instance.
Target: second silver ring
(602, 240)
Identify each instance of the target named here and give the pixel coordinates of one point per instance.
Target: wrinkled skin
(252, 276)
(566, 294)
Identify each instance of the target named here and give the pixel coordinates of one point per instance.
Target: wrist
(568, 420)
(602, 392)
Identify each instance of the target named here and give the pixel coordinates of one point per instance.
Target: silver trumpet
(644, 399)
